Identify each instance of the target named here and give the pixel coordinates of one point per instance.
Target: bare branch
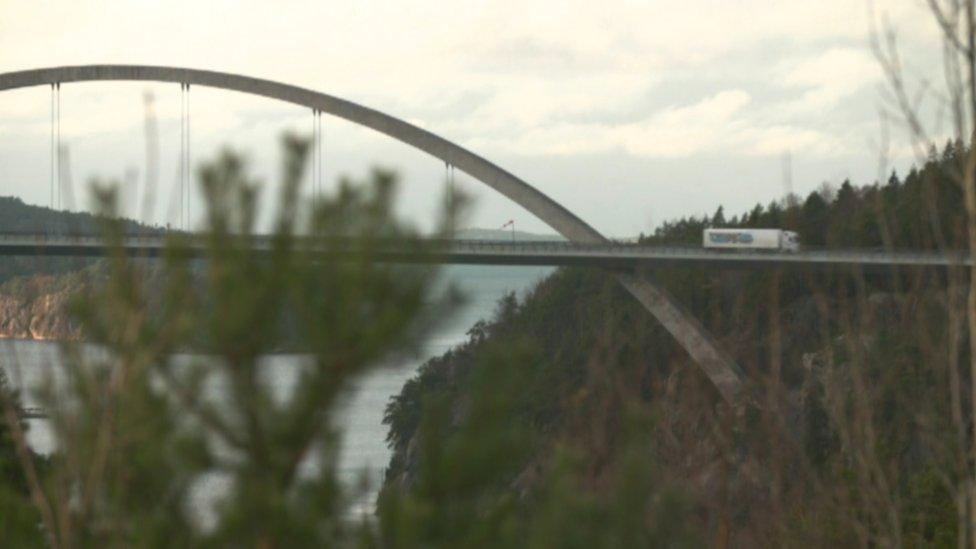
(948, 26)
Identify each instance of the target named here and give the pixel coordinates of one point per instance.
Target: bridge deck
(554, 253)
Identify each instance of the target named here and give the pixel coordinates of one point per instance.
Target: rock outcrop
(38, 307)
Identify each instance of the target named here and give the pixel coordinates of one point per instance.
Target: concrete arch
(546, 209)
(689, 333)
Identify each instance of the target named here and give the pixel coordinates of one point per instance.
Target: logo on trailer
(730, 238)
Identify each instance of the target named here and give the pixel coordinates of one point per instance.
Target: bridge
(611, 255)
(720, 368)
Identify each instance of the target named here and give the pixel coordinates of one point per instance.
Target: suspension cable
(182, 150)
(58, 149)
(189, 162)
(313, 160)
(319, 151)
(51, 203)
(448, 196)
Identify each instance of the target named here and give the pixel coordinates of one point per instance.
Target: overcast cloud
(629, 113)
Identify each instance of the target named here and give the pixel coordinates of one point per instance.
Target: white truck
(751, 239)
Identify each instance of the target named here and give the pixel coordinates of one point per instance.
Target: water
(363, 454)
(362, 417)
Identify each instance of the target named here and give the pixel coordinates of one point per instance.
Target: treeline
(18, 217)
(922, 211)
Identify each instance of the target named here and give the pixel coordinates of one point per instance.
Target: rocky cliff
(38, 307)
(36, 292)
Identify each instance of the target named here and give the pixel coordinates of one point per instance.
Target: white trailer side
(744, 239)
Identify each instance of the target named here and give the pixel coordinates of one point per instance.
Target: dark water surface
(363, 454)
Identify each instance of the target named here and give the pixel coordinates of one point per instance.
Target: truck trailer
(751, 239)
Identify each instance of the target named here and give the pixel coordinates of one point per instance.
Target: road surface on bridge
(484, 252)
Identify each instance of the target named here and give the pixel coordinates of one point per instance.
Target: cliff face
(37, 307)
(35, 292)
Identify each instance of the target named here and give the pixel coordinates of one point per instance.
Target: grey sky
(629, 113)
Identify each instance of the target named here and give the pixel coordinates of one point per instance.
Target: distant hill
(18, 217)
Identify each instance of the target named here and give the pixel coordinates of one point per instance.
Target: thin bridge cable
(313, 159)
(449, 181)
(51, 203)
(189, 162)
(319, 152)
(58, 149)
(182, 151)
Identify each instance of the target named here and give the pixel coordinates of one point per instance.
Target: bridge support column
(684, 327)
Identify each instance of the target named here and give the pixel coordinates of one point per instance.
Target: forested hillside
(853, 437)
(19, 218)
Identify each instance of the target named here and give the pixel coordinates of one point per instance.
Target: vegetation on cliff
(851, 438)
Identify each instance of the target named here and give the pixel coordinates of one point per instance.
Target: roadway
(482, 252)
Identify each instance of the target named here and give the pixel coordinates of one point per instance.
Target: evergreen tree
(815, 219)
(718, 219)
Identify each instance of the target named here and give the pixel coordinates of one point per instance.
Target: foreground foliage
(174, 392)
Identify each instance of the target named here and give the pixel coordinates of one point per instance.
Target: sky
(629, 113)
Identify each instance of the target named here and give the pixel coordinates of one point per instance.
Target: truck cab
(790, 242)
